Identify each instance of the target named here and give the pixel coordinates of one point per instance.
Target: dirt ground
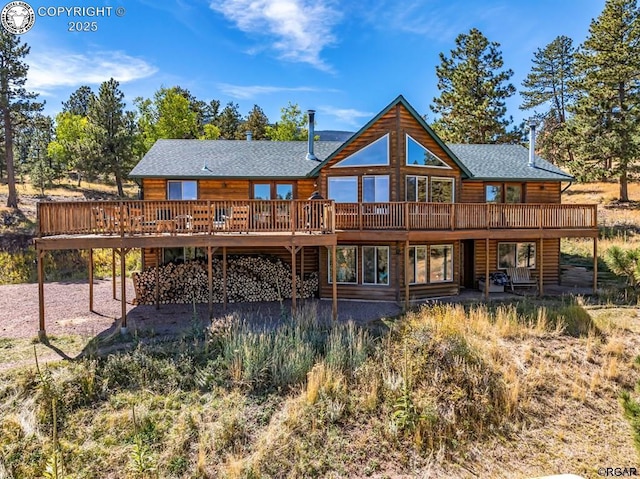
(67, 311)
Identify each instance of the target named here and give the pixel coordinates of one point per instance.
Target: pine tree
(229, 121)
(473, 92)
(548, 86)
(606, 126)
(257, 123)
(112, 133)
(15, 100)
(78, 102)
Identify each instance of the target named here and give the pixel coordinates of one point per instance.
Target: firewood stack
(249, 279)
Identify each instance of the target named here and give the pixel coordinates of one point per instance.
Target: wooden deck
(177, 223)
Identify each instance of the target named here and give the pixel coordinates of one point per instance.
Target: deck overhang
(284, 239)
(440, 235)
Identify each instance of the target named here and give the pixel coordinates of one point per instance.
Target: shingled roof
(505, 162)
(230, 159)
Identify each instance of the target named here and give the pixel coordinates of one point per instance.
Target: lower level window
(512, 255)
(440, 263)
(346, 261)
(375, 265)
(417, 264)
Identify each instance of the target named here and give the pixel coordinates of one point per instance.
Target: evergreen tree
(112, 133)
(41, 168)
(548, 86)
(229, 121)
(78, 102)
(473, 92)
(257, 123)
(291, 125)
(606, 124)
(15, 100)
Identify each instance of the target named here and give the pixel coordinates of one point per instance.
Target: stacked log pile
(249, 279)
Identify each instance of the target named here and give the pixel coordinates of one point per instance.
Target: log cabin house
(402, 215)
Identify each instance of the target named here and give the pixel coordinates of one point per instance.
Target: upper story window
(182, 190)
(343, 189)
(418, 155)
(374, 154)
(375, 188)
(273, 191)
(503, 193)
(433, 189)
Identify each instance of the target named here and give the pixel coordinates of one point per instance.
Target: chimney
(310, 154)
(249, 135)
(533, 123)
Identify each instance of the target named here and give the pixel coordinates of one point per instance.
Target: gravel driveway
(67, 311)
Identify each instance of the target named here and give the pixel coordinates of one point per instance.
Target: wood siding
(397, 122)
(154, 189)
(551, 260)
(532, 192)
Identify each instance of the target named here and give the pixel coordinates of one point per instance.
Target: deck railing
(148, 217)
(462, 216)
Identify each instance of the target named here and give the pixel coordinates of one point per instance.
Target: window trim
(375, 247)
(406, 155)
(355, 247)
(388, 162)
(181, 189)
(516, 243)
(453, 268)
(446, 178)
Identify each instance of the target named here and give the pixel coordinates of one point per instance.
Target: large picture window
(346, 265)
(343, 189)
(375, 188)
(417, 264)
(374, 154)
(375, 265)
(440, 263)
(520, 255)
(418, 155)
(182, 190)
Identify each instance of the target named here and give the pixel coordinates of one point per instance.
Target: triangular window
(374, 154)
(418, 155)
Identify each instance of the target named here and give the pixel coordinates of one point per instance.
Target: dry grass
(449, 392)
(69, 188)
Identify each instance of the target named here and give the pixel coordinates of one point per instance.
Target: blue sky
(347, 60)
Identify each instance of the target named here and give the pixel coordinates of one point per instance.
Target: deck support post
(406, 275)
(486, 269)
(595, 265)
(42, 333)
(302, 263)
(157, 271)
(294, 281)
(123, 289)
(224, 277)
(113, 272)
(541, 279)
(210, 279)
(334, 283)
(91, 279)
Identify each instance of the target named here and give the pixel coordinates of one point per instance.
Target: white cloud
(301, 28)
(348, 116)
(244, 92)
(54, 69)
